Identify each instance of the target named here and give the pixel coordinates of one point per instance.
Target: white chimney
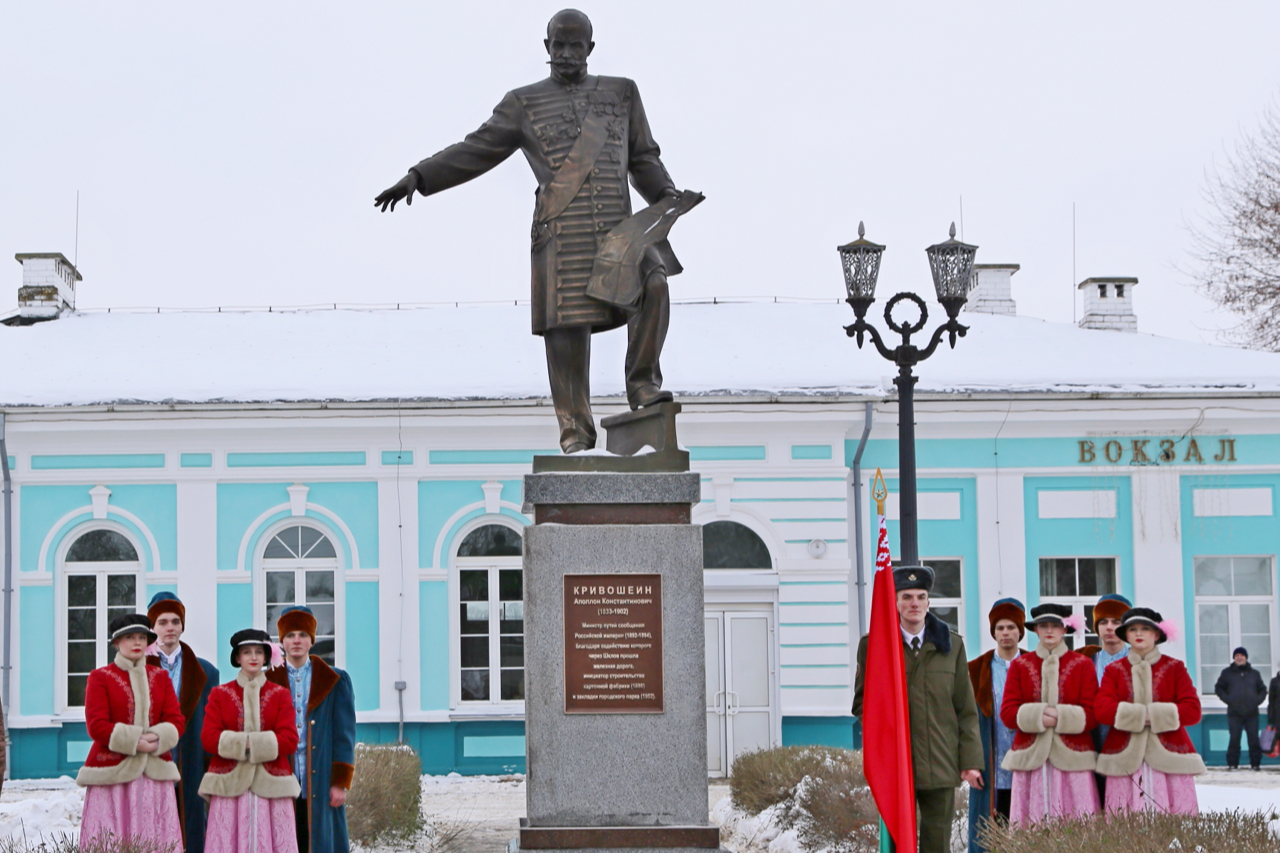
(1108, 304)
(991, 289)
(48, 286)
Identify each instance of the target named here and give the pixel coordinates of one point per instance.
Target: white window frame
(335, 564)
(1081, 605)
(61, 597)
(1233, 603)
(494, 706)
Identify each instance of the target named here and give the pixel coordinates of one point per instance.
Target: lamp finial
(862, 231)
(953, 230)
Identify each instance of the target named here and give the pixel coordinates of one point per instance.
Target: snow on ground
(483, 812)
(35, 808)
(1217, 790)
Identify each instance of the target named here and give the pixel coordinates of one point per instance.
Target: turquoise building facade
(398, 516)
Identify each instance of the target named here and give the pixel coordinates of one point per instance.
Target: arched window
(300, 566)
(100, 573)
(492, 540)
(491, 615)
(730, 545)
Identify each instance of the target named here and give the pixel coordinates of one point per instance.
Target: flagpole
(879, 492)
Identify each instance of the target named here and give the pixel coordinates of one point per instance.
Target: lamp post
(951, 263)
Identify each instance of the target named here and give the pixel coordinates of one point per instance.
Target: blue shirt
(1100, 662)
(173, 666)
(300, 687)
(1004, 734)
(1102, 658)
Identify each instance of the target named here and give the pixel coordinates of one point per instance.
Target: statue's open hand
(402, 189)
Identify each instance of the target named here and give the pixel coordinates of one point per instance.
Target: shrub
(767, 777)
(385, 803)
(835, 809)
(64, 843)
(1136, 832)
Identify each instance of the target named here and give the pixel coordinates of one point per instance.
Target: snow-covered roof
(487, 353)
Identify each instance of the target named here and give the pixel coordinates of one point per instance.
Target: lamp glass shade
(861, 262)
(951, 264)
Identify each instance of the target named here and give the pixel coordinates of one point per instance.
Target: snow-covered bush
(385, 803)
(1136, 832)
(767, 777)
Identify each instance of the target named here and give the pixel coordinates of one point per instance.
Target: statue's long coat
(199, 677)
(331, 750)
(545, 121)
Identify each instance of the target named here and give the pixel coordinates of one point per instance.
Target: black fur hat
(1052, 613)
(130, 623)
(1143, 616)
(249, 637)
(913, 577)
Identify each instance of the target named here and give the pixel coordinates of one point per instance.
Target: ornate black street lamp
(951, 263)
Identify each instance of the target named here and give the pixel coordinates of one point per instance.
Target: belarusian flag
(886, 720)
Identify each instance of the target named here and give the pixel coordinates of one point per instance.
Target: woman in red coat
(1148, 699)
(134, 719)
(1048, 702)
(249, 730)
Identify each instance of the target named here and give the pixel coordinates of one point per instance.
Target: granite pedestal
(629, 776)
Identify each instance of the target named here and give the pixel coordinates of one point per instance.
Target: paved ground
(483, 812)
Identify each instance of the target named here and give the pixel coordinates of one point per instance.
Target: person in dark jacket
(193, 679)
(1240, 687)
(1273, 704)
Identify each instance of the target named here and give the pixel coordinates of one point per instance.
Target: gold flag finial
(879, 491)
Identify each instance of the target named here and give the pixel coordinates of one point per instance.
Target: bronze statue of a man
(582, 135)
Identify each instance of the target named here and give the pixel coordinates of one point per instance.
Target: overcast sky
(228, 153)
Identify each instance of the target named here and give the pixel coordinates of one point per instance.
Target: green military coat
(944, 716)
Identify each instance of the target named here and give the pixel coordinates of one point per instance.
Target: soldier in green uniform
(583, 135)
(946, 746)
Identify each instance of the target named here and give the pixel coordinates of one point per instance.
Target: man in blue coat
(193, 678)
(987, 673)
(325, 709)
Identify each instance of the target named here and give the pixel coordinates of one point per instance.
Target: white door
(740, 686)
(716, 764)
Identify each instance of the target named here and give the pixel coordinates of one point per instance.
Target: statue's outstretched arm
(486, 147)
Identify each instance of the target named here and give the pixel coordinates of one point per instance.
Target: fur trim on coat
(1132, 687)
(248, 724)
(1040, 680)
(123, 701)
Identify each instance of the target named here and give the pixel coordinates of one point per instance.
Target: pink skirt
(143, 810)
(1153, 791)
(250, 824)
(1049, 793)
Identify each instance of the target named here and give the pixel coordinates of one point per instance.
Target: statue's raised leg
(646, 333)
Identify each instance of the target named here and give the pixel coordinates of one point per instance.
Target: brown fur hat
(296, 618)
(1011, 609)
(166, 602)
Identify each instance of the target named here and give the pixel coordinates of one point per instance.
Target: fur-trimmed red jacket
(1038, 680)
(250, 732)
(1134, 686)
(124, 700)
